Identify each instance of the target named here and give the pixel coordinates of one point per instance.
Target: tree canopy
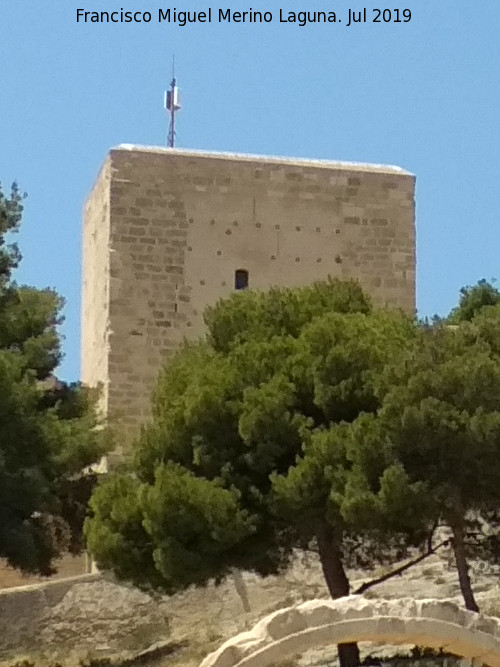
(308, 419)
(437, 438)
(48, 429)
(473, 298)
(241, 464)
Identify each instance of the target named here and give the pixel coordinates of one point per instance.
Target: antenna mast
(172, 105)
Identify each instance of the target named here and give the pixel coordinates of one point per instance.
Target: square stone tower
(167, 232)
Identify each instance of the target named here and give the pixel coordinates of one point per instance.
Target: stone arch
(432, 623)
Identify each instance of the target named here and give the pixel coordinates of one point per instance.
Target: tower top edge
(265, 159)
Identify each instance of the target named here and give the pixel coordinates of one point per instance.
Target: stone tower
(167, 232)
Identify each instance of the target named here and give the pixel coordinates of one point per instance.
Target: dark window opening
(240, 279)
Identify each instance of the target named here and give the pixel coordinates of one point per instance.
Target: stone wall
(96, 286)
(93, 615)
(78, 616)
(165, 230)
(66, 566)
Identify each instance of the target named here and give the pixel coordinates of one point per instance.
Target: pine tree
(49, 431)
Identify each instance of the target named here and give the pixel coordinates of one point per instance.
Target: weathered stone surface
(165, 230)
(79, 614)
(295, 629)
(104, 617)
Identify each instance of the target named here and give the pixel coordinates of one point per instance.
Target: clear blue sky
(424, 95)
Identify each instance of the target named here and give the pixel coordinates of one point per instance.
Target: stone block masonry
(166, 230)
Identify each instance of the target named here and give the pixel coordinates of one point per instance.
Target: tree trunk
(462, 567)
(338, 586)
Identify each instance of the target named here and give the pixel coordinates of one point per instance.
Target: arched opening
(240, 279)
(437, 624)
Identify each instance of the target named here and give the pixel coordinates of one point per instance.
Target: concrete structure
(432, 623)
(166, 231)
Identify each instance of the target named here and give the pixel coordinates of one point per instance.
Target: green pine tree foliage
(245, 459)
(48, 430)
(432, 453)
(473, 299)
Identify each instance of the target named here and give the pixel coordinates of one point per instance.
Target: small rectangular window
(240, 279)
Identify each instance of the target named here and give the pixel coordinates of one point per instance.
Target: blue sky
(424, 95)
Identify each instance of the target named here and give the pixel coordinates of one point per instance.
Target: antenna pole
(171, 131)
(172, 106)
